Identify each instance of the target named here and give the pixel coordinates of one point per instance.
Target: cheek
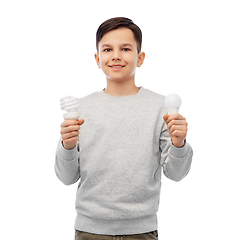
(132, 61)
(103, 61)
(131, 57)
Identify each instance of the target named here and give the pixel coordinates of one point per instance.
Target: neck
(121, 89)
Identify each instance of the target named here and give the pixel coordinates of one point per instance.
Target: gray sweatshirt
(123, 146)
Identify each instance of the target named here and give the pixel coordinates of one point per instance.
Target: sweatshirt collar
(110, 97)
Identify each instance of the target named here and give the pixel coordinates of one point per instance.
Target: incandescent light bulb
(70, 104)
(173, 103)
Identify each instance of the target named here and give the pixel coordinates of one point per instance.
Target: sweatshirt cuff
(67, 155)
(179, 152)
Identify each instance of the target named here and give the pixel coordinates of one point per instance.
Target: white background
(47, 51)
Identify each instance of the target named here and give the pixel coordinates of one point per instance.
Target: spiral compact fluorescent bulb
(70, 104)
(173, 103)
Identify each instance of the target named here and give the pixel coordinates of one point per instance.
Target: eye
(126, 49)
(107, 50)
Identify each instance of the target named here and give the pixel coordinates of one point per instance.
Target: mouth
(116, 67)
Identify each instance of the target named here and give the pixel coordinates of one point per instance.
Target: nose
(116, 55)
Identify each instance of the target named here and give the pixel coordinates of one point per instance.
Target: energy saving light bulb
(173, 103)
(70, 104)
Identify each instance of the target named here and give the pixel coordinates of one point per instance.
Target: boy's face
(118, 56)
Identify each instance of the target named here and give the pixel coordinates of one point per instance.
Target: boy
(126, 140)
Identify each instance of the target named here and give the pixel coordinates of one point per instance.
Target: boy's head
(118, 49)
(119, 22)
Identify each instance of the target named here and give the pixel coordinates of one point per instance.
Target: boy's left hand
(177, 128)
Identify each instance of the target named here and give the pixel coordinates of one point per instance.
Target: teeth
(117, 66)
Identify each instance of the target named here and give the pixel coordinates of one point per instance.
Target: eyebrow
(122, 45)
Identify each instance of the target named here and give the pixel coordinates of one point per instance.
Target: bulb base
(71, 115)
(173, 110)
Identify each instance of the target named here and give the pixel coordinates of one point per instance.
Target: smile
(117, 67)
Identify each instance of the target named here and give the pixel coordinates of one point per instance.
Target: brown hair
(119, 22)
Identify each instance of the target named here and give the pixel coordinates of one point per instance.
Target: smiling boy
(118, 57)
(126, 140)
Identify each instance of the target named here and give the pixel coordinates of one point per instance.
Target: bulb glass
(70, 104)
(173, 103)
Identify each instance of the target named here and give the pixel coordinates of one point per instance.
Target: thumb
(165, 117)
(80, 121)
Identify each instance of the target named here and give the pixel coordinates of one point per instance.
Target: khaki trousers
(79, 235)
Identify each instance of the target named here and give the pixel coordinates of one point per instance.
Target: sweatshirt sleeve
(176, 162)
(67, 164)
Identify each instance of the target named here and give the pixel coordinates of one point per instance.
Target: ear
(97, 59)
(141, 57)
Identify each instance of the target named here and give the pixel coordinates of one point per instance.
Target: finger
(178, 127)
(67, 123)
(165, 117)
(175, 116)
(70, 135)
(70, 128)
(179, 134)
(177, 122)
(80, 121)
(70, 141)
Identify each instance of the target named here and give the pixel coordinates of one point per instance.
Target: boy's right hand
(69, 132)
